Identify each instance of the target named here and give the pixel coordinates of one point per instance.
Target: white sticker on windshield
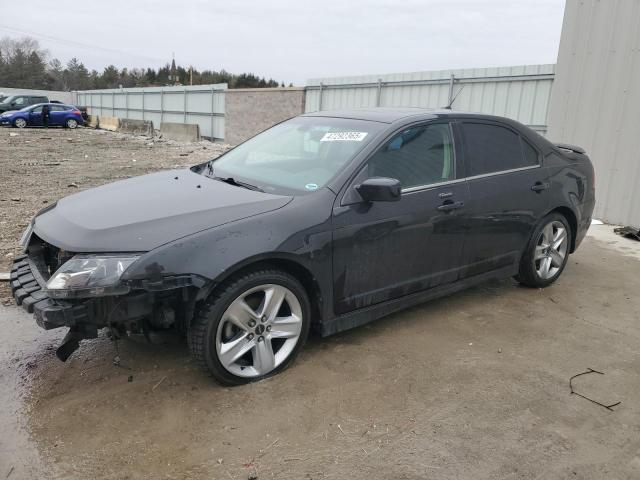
(343, 137)
(311, 186)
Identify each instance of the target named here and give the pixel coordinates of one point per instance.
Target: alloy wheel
(259, 330)
(71, 123)
(21, 123)
(551, 250)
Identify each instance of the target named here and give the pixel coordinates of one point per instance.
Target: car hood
(142, 213)
(10, 112)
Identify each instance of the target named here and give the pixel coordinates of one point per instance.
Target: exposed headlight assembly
(90, 276)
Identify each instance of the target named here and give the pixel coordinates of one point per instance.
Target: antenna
(448, 107)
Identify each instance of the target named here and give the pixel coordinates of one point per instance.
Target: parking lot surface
(471, 386)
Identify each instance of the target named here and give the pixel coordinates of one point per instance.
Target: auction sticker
(343, 137)
(311, 186)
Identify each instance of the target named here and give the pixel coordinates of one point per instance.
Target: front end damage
(159, 302)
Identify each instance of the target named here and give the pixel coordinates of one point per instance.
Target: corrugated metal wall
(201, 104)
(596, 99)
(519, 92)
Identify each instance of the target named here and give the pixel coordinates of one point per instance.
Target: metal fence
(202, 105)
(520, 92)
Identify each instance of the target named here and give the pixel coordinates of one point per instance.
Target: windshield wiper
(237, 183)
(231, 180)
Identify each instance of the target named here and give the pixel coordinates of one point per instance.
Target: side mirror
(380, 189)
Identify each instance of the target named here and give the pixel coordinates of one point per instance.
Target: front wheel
(20, 123)
(251, 327)
(547, 252)
(72, 123)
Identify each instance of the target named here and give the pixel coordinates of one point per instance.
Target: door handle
(449, 206)
(539, 186)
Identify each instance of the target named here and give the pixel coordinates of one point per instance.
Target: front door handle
(449, 206)
(539, 186)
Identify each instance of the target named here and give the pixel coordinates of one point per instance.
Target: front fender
(300, 232)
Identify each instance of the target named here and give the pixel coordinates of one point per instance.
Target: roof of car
(383, 114)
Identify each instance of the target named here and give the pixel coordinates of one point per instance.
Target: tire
(237, 345)
(547, 252)
(20, 123)
(71, 123)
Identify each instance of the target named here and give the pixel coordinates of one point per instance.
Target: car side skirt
(374, 312)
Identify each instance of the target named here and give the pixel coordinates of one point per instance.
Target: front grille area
(46, 257)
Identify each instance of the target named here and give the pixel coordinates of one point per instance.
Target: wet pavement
(470, 386)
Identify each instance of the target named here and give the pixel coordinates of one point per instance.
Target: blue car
(59, 116)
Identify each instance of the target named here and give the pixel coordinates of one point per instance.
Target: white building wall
(596, 99)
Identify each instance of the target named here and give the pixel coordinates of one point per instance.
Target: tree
(76, 75)
(55, 74)
(23, 64)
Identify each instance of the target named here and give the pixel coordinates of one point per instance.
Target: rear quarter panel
(572, 186)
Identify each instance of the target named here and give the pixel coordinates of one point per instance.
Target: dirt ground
(39, 166)
(473, 386)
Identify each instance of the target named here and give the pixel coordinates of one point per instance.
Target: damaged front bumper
(160, 303)
(27, 285)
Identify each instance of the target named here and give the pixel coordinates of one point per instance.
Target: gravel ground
(40, 166)
(472, 386)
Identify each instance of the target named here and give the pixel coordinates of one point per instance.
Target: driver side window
(20, 101)
(416, 156)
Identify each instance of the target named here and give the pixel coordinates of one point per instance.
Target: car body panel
(386, 250)
(141, 213)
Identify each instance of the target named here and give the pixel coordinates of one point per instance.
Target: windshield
(6, 100)
(301, 154)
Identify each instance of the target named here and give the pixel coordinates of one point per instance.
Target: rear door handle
(539, 186)
(449, 206)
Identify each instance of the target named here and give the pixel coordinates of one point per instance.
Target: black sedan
(327, 221)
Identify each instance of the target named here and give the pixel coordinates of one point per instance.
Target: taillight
(76, 112)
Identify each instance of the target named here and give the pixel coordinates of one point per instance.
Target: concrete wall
(65, 97)
(252, 110)
(596, 99)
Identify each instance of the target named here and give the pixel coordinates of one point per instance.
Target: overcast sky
(293, 40)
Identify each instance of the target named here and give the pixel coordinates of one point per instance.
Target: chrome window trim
(503, 172)
(459, 180)
(420, 188)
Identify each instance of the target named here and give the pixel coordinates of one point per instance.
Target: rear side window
(417, 156)
(492, 148)
(38, 99)
(57, 108)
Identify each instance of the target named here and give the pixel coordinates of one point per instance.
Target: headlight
(90, 276)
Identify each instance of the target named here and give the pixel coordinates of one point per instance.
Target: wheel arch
(13, 123)
(567, 213)
(279, 262)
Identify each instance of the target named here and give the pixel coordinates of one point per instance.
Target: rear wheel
(547, 252)
(71, 123)
(251, 327)
(20, 123)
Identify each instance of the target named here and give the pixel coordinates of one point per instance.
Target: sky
(293, 40)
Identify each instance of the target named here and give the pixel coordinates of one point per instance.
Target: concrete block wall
(249, 111)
